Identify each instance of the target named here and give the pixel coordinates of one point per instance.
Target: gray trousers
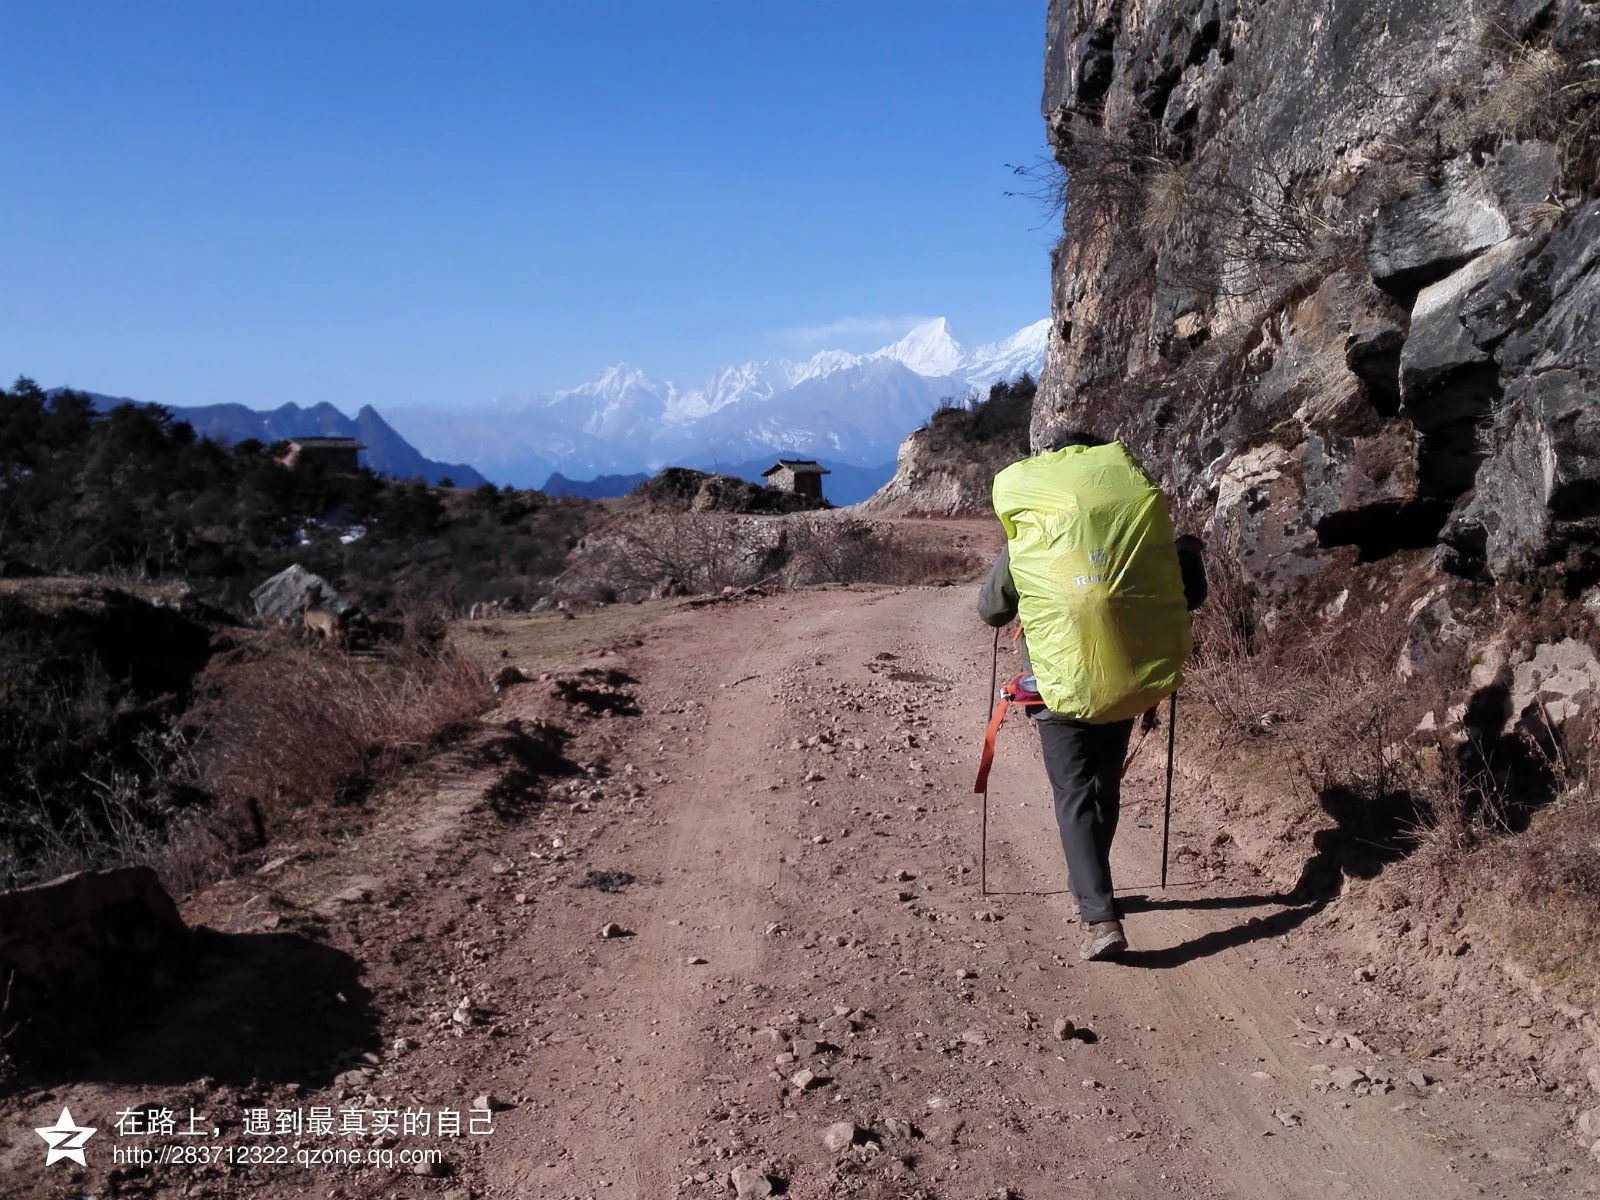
(1084, 764)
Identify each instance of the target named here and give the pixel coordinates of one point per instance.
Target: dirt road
(807, 882)
(778, 817)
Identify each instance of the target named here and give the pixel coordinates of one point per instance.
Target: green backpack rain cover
(1096, 571)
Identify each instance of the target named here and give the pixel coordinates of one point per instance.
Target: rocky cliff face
(1337, 272)
(1333, 271)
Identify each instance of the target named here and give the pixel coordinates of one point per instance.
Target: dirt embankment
(767, 804)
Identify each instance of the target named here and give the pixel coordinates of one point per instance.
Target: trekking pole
(983, 826)
(1166, 821)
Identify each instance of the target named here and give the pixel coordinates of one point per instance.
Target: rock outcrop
(946, 468)
(1336, 276)
(927, 482)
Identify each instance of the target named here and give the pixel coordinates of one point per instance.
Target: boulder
(1440, 341)
(1432, 626)
(932, 481)
(1449, 383)
(80, 955)
(1372, 352)
(1559, 682)
(1556, 293)
(748, 1183)
(282, 597)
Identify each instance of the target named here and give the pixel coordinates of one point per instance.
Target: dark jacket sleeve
(997, 602)
(1192, 563)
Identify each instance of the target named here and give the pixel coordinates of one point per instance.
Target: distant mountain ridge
(601, 488)
(843, 408)
(848, 411)
(386, 452)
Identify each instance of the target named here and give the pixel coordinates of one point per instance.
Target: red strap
(989, 736)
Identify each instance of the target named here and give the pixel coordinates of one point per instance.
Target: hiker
(1084, 757)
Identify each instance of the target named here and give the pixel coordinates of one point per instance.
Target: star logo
(66, 1139)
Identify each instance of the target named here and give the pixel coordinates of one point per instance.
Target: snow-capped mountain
(1009, 358)
(848, 408)
(928, 350)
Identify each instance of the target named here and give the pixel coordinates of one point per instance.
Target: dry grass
(1322, 692)
(1537, 892)
(290, 737)
(546, 640)
(1541, 94)
(133, 738)
(1164, 199)
(1509, 831)
(1548, 880)
(1525, 99)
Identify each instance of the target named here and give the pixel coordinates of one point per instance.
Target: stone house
(802, 476)
(336, 454)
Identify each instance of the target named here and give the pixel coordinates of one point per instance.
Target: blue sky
(438, 203)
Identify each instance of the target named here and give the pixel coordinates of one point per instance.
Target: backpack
(1099, 589)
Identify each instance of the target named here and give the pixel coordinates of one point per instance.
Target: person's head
(1062, 438)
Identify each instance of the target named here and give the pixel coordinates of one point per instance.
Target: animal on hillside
(318, 619)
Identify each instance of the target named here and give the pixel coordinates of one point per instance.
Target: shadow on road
(1273, 925)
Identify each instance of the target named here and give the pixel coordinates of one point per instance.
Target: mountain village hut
(802, 476)
(334, 454)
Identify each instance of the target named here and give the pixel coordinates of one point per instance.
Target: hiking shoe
(1104, 940)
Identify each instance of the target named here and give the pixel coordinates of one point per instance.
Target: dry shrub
(1316, 701)
(844, 550)
(695, 552)
(702, 552)
(122, 818)
(286, 730)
